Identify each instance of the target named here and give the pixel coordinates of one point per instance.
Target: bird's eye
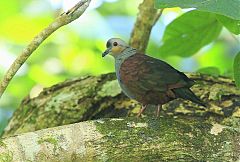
(115, 43)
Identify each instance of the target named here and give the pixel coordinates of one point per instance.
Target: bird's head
(114, 47)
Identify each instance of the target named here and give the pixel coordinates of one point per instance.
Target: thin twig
(63, 19)
(146, 19)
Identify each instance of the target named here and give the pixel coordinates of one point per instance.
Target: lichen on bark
(128, 139)
(166, 139)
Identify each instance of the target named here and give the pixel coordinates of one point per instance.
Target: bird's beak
(106, 52)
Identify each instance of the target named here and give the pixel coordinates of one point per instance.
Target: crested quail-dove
(146, 79)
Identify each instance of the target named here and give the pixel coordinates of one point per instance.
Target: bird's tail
(187, 94)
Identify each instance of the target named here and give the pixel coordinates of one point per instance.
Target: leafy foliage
(231, 24)
(236, 67)
(189, 33)
(216, 55)
(222, 7)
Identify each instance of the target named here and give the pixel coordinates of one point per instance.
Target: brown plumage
(135, 72)
(147, 79)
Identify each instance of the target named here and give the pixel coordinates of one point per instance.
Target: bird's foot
(159, 107)
(141, 110)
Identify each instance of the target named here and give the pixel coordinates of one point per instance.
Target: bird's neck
(127, 52)
(119, 59)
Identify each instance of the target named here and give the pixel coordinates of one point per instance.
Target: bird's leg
(141, 110)
(159, 107)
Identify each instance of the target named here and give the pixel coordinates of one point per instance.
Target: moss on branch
(129, 139)
(72, 101)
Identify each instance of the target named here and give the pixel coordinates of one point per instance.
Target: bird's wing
(143, 73)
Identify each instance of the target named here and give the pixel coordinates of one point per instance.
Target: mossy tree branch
(60, 21)
(129, 139)
(72, 101)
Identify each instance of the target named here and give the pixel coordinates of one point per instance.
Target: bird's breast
(119, 78)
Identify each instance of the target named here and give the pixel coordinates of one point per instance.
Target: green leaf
(230, 8)
(231, 24)
(236, 69)
(211, 70)
(189, 33)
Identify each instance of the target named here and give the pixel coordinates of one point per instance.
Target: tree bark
(130, 139)
(72, 101)
(146, 19)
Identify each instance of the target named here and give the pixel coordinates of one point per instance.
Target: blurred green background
(75, 50)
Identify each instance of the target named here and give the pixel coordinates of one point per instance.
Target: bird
(146, 79)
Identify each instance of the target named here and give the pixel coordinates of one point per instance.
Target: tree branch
(130, 139)
(146, 19)
(60, 21)
(72, 101)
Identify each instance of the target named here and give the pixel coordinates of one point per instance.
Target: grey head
(115, 47)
